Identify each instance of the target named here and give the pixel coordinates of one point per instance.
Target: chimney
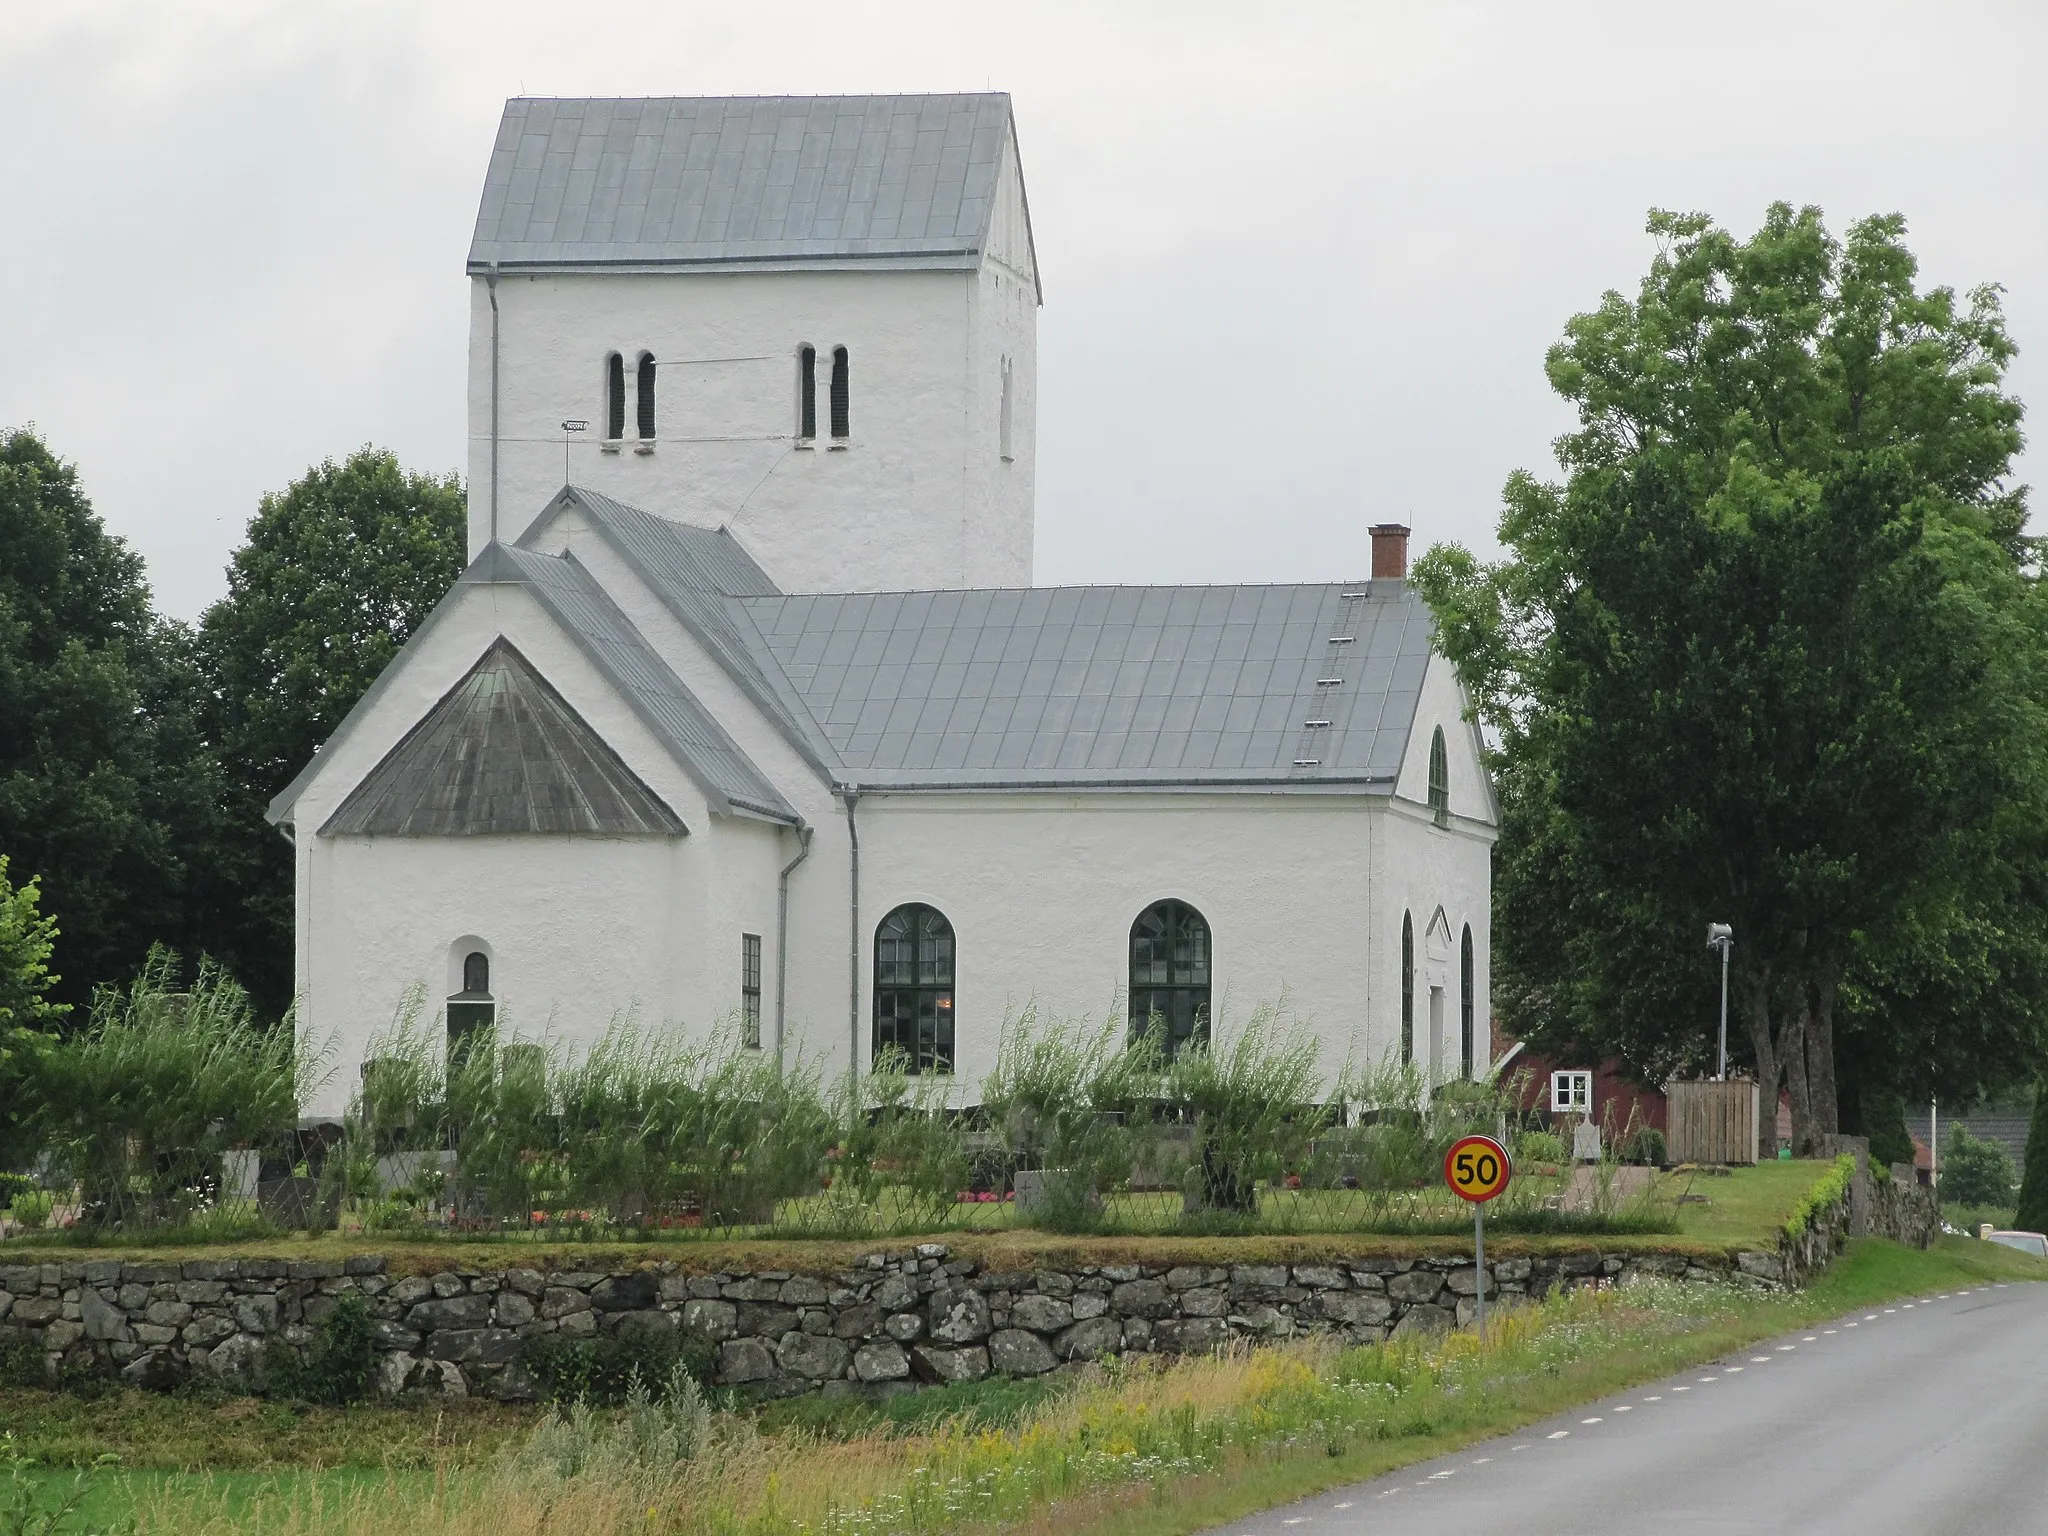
(1389, 552)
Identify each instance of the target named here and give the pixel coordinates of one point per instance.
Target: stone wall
(893, 1320)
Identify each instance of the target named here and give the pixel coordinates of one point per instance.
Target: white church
(745, 712)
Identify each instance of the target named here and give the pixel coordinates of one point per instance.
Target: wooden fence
(1709, 1122)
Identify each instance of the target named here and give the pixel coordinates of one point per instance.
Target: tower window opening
(806, 392)
(841, 394)
(643, 394)
(614, 397)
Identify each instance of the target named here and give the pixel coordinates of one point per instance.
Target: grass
(1146, 1449)
(1744, 1209)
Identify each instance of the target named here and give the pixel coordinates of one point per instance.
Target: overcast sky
(1301, 262)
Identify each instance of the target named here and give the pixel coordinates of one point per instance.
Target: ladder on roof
(1339, 662)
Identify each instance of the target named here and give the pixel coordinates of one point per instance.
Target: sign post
(1477, 1168)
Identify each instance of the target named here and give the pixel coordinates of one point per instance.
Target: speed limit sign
(1478, 1168)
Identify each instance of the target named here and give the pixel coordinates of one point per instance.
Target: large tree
(337, 571)
(106, 790)
(1771, 653)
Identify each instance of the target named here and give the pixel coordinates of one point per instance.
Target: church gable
(502, 752)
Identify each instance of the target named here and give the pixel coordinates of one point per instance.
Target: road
(1923, 1417)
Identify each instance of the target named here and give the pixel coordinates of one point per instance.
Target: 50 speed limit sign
(1477, 1168)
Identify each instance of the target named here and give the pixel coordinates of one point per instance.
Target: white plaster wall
(577, 927)
(907, 503)
(1042, 889)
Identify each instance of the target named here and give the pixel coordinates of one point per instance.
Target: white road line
(1809, 1339)
(1827, 1330)
(1560, 1434)
(1731, 1370)
(1681, 1389)
(1653, 1399)
(1705, 1379)
(1518, 1447)
(1624, 1408)
(1345, 1505)
(1759, 1359)
(1786, 1349)
(1589, 1421)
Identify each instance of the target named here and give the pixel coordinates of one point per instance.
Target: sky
(1301, 261)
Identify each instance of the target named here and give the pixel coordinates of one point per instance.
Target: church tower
(809, 320)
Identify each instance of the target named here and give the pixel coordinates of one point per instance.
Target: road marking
(1345, 1505)
(1705, 1379)
(1482, 1461)
(1830, 1330)
(1653, 1399)
(1589, 1421)
(1681, 1389)
(1297, 1520)
(1624, 1408)
(1560, 1434)
(1870, 1317)
(1888, 1311)
(1809, 1339)
(1759, 1359)
(1519, 1447)
(1786, 1349)
(1731, 1370)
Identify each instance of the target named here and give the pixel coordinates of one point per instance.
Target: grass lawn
(1250, 1443)
(1745, 1208)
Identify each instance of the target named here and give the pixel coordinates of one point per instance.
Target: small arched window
(1170, 974)
(1407, 989)
(806, 392)
(1439, 780)
(643, 394)
(1467, 1040)
(914, 988)
(841, 394)
(473, 1010)
(614, 397)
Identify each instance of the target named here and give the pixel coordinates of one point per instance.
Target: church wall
(576, 927)
(1425, 866)
(1042, 889)
(1005, 332)
(897, 507)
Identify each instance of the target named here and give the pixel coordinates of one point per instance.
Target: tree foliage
(1771, 653)
(337, 572)
(106, 789)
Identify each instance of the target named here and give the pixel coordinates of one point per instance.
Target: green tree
(1770, 654)
(337, 572)
(28, 937)
(1975, 1171)
(105, 786)
(2032, 1215)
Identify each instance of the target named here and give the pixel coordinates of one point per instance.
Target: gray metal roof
(741, 181)
(660, 698)
(1141, 685)
(502, 753)
(698, 573)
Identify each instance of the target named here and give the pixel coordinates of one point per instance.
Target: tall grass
(137, 1109)
(1118, 1425)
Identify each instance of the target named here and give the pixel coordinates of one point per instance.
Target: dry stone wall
(892, 1321)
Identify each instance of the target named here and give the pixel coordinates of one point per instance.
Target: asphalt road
(1923, 1418)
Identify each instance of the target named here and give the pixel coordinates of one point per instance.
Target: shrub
(602, 1371)
(341, 1365)
(139, 1107)
(31, 1208)
(1975, 1172)
(1645, 1145)
(1253, 1103)
(1540, 1147)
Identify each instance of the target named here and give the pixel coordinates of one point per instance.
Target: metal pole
(1934, 1145)
(1724, 1014)
(1479, 1260)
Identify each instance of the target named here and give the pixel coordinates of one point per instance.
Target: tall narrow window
(614, 397)
(1407, 989)
(473, 1010)
(643, 395)
(1439, 780)
(841, 394)
(1170, 974)
(1003, 421)
(750, 990)
(914, 989)
(806, 392)
(1467, 1041)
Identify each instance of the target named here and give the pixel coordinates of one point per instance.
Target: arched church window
(914, 988)
(1467, 1041)
(614, 397)
(1170, 974)
(643, 394)
(473, 1010)
(806, 392)
(1407, 988)
(1439, 779)
(841, 394)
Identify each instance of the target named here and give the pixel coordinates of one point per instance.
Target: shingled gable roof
(502, 753)
(727, 778)
(1001, 688)
(742, 182)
